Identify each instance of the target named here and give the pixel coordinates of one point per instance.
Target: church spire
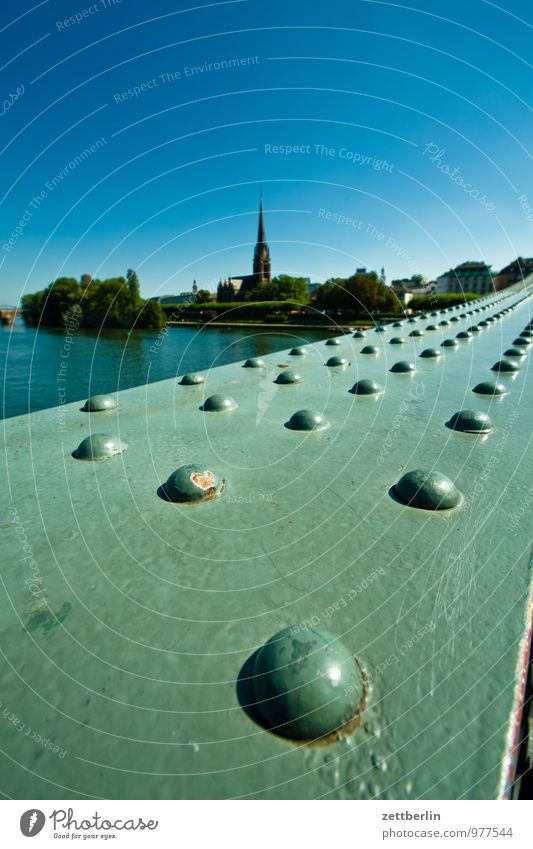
(261, 254)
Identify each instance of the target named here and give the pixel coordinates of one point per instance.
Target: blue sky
(382, 134)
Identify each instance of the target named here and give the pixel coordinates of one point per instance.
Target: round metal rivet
(298, 352)
(337, 361)
(432, 327)
(366, 387)
(431, 352)
(505, 365)
(417, 332)
(433, 314)
(99, 403)
(515, 352)
(359, 334)
(369, 349)
(333, 342)
(307, 420)
(380, 329)
(306, 683)
(474, 329)
(191, 483)
(527, 334)
(254, 362)
(464, 334)
(398, 324)
(99, 446)
(427, 490)
(288, 377)
(402, 367)
(470, 421)
(487, 387)
(192, 379)
(219, 404)
(455, 318)
(483, 324)
(449, 343)
(444, 322)
(521, 342)
(397, 340)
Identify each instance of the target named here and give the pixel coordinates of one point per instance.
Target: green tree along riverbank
(112, 303)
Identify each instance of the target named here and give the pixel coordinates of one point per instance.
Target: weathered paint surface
(127, 630)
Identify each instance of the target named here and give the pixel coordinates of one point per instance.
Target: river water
(45, 368)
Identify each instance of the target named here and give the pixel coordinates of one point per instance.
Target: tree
(360, 293)
(203, 296)
(132, 282)
(282, 288)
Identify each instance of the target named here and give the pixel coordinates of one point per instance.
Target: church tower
(261, 254)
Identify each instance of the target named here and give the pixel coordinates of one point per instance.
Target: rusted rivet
(192, 379)
(288, 376)
(366, 387)
(402, 367)
(99, 446)
(427, 490)
(100, 403)
(335, 362)
(191, 483)
(307, 420)
(219, 404)
(470, 421)
(306, 683)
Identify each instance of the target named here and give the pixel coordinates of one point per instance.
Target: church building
(236, 288)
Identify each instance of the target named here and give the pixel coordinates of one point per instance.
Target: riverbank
(327, 328)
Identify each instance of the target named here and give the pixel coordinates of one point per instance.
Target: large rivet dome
(288, 377)
(402, 367)
(307, 420)
(397, 340)
(369, 349)
(297, 352)
(99, 446)
(521, 342)
(359, 334)
(427, 490)
(417, 332)
(527, 334)
(191, 483)
(505, 365)
(306, 683)
(515, 352)
(450, 343)
(455, 318)
(254, 362)
(337, 361)
(471, 421)
(366, 387)
(333, 342)
(428, 353)
(219, 404)
(464, 334)
(432, 327)
(100, 403)
(192, 379)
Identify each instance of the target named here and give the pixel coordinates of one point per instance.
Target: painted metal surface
(130, 622)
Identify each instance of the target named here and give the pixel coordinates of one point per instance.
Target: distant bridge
(8, 315)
